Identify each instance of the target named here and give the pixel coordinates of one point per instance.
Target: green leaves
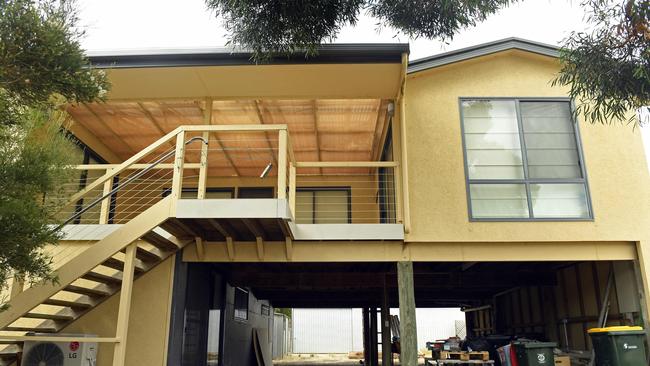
(269, 27)
(608, 69)
(35, 160)
(40, 53)
(281, 27)
(433, 18)
(42, 67)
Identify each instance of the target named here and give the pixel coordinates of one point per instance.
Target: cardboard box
(562, 361)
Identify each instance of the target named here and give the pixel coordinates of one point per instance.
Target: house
(214, 190)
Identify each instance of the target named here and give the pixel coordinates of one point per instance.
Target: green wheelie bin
(618, 346)
(535, 353)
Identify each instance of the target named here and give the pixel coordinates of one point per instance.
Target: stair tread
(119, 265)
(30, 329)
(56, 316)
(79, 304)
(146, 256)
(159, 241)
(93, 292)
(103, 278)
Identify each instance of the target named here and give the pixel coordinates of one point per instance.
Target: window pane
(192, 193)
(559, 200)
(331, 207)
(241, 304)
(304, 207)
(498, 200)
(550, 140)
(214, 323)
(218, 194)
(492, 140)
(92, 215)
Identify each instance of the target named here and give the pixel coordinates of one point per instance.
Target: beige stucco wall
(614, 157)
(148, 320)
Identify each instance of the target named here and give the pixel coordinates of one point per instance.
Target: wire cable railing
(229, 163)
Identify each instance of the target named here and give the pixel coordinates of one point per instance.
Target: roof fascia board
(327, 54)
(482, 50)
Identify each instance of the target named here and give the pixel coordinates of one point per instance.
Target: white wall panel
(341, 331)
(322, 330)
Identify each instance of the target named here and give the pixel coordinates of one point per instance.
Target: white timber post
(203, 170)
(292, 189)
(406, 211)
(177, 180)
(119, 353)
(104, 211)
(397, 171)
(282, 164)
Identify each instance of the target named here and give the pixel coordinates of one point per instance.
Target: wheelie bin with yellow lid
(618, 346)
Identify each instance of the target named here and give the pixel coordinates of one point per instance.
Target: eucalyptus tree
(607, 68)
(42, 67)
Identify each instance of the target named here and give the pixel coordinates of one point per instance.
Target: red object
(74, 346)
(513, 356)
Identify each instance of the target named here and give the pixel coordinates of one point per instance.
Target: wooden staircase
(118, 257)
(88, 279)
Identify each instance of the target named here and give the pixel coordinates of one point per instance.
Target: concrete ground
(333, 359)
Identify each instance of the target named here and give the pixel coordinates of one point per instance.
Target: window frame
(234, 303)
(88, 154)
(346, 189)
(167, 191)
(526, 181)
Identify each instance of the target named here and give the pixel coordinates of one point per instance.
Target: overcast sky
(146, 24)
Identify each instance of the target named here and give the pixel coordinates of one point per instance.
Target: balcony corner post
(282, 164)
(292, 190)
(177, 180)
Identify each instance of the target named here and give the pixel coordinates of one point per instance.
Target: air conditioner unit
(74, 353)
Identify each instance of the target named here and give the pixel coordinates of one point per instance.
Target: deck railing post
(203, 170)
(104, 210)
(119, 352)
(292, 189)
(177, 180)
(282, 164)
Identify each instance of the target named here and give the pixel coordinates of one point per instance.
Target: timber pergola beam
(108, 128)
(91, 140)
(314, 104)
(346, 164)
(380, 138)
(260, 116)
(153, 120)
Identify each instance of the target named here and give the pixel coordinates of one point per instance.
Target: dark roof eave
(482, 50)
(327, 54)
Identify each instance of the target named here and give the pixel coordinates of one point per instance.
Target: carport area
(545, 301)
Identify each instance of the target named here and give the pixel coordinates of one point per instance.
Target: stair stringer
(88, 260)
